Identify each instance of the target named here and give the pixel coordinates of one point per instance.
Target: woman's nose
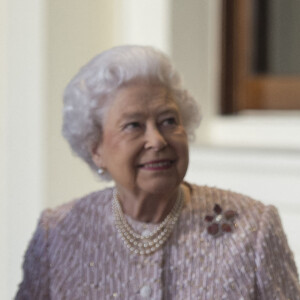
(154, 139)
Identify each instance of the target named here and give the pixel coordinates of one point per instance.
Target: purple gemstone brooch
(220, 222)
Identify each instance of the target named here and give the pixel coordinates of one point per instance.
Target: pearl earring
(100, 171)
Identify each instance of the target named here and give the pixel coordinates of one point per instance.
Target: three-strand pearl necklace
(147, 242)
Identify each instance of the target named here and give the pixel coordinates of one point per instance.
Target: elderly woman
(152, 236)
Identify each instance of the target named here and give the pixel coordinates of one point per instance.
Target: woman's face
(144, 145)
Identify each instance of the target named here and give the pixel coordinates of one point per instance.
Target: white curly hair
(90, 92)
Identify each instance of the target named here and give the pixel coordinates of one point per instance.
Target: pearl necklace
(149, 242)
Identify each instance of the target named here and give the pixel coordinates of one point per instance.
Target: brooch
(220, 222)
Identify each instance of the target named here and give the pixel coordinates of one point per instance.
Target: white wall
(22, 131)
(145, 22)
(195, 48)
(44, 42)
(3, 147)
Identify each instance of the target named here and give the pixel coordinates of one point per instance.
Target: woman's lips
(157, 165)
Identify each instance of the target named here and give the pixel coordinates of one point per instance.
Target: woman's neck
(145, 207)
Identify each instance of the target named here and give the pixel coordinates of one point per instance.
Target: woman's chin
(160, 185)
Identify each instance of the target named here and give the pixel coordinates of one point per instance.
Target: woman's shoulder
(223, 210)
(82, 206)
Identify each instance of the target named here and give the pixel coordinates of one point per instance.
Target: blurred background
(249, 140)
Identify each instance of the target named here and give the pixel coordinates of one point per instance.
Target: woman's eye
(132, 125)
(169, 121)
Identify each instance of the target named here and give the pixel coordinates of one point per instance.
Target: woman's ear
(97, 156)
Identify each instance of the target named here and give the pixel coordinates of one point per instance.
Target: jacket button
(145, 291)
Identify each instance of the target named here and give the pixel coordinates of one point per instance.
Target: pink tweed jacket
(233, 250)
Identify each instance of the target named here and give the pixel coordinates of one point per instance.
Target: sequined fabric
(76, 253)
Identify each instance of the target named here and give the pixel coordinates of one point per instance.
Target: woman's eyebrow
(169, 110)
(141, 114)
(132, 115)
